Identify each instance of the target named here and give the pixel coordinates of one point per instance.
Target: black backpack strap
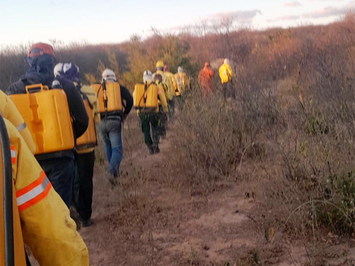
(85, 97)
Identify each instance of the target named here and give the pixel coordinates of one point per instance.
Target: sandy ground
(149, 220)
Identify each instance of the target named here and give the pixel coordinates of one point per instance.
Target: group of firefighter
(51, 120)
(155, 100)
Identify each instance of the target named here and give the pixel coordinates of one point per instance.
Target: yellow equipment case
(108, 96)
(88, 139)
(46, 113)
(145, 97)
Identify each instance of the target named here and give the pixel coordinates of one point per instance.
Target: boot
(156, 149)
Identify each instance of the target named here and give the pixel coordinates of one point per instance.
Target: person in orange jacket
(205, 77)
(40, 218)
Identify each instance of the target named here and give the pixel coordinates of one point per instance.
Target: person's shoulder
(123, 87)
(11, 129)
(87, 89)
(16, 87)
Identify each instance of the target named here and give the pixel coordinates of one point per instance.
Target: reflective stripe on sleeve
(13, 154)
(21, 126)
(33, 193)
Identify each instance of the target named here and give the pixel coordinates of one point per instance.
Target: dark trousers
(228, 90)
(83, 185)
(162, 122)
(180, 101)
(60, 171)
(150, 128)
(171, 107)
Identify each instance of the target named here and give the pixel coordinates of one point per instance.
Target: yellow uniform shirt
(225, 73)
(45, 221)
(91, 95)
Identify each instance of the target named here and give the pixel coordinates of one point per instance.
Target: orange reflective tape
(13, 154)
(29, 187)
(35, 199)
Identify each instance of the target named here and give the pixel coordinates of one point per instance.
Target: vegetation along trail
(148, 220)
(151, 218)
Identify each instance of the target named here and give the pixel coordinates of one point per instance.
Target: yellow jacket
(225, 73)
(9, 111)
(45, 221)
(162, 98)
(91, 95)
(174, 86)
(182, 83)
(167, 81)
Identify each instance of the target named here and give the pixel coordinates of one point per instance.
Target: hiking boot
(112, 180)
(86, 223)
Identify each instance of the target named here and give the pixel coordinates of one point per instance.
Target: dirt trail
(147, 222)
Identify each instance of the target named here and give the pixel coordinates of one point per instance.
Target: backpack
(108, 97)
(46, 113)
(145, 97)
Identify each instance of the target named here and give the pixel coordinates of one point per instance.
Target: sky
(23, 22)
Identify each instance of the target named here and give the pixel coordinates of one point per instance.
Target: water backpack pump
(145, 97)
(109, 97)
(89, 138)
(46, 113)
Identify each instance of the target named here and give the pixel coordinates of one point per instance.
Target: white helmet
(226, 61)
(108, 75)
(180, 69)
(147, 76)
(58, 69)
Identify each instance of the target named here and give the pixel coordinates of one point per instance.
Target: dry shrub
(317, 161)
(213, 138)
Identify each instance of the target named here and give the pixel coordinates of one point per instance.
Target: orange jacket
(205, 76)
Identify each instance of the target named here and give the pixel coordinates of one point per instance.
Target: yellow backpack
(145, 97)
(88, 139)
(108, 96)
(46, 114)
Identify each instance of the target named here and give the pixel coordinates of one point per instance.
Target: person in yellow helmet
(167, 83)
(9, 111)
(150, 119)
(182, 83)
(173, 90)
(226, 75)
(40, 218)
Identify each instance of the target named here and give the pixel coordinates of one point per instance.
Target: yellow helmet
(160, 64)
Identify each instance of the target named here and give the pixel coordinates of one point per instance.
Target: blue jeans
(110, 131)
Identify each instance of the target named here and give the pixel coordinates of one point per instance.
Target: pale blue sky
(113, 21)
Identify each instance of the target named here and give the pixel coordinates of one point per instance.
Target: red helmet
(40, 48)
